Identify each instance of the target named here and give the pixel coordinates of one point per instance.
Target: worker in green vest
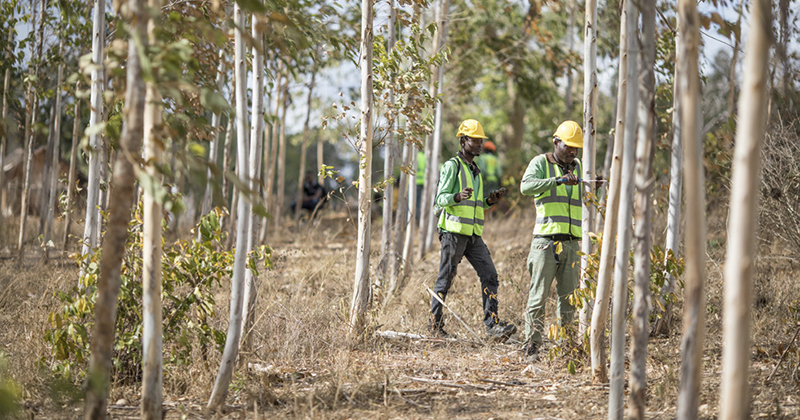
(554, 181)
(490, 166)
(461, 195)
(420, 175)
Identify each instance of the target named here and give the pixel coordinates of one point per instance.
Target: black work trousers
(454, 247)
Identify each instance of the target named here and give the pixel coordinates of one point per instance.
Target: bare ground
(303, 365)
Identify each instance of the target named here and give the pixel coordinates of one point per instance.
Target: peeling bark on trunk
(361, 288)
(645, 151)
(220, 391)
(597, 334)
(694, 180)
(108, 284)
(740, 260)
(624, 220)
(387, 239)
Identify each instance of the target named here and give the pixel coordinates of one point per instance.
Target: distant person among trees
(420, 178)
(313, 194)
(490, 166)
(461, 196)
(553, 179)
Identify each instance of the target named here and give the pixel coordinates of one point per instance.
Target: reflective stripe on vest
(556, 212)
(466, 216)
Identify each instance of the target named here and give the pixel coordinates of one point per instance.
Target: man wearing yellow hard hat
(462, 197)
(554, 181)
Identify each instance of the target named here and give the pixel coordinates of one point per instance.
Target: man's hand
(569, 179)
(463, 195)
(495, 196)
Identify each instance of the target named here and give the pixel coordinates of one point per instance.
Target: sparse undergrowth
(303, 365)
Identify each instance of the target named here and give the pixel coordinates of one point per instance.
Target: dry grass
(303, 365)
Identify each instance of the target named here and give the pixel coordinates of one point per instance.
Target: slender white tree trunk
(694, 180)
(91, 221)
(597, 334)
(430, 229)
(408, 243)
(624, 220)
(270, 183)
(214, 143)
(741, 254)
(298, 208)
(220, 391)
(54, 163)
(152, 331)
(664, 324)
(387, 240)
(400, 225)
(644, 181)
(30, 141)
(108, 284)
(361, 290)
(256, 139)
(4, 114)
(281, 164)
(588, 160)
(73, 158)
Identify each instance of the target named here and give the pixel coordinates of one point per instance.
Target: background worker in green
(490, 166)
(420, 177)
(461, 195)
(553, 179)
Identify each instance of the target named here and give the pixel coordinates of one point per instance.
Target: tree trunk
(408, 243)
(256, 139)
(732, 73)
(400, 224)
(361, 289)
(645, 151)
(298, 208)
(91, 232)
(694, 298)
(54, 163)
(31, 143)
(152, 359)
(741, 254)
(387, 240)
(44, 189)
(73, 161)
(663, 324)
(226, 167)
(437, 134)
(431, 170)
(597, 334)
(220, 391)
(214, 143)
(4, 114)
(569, 103)
(588, 161)
(624, 220)
(270, 183)
(108, 284)
(280, 188)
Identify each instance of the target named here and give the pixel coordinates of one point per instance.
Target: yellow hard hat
(471, 128)
(570, 133)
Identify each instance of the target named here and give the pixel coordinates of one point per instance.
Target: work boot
(532, 353)
(501, 331)
(437, 331)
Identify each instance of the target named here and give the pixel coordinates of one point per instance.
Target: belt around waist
(559, 237)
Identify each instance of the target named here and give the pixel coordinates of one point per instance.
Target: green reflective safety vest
(557, 213)
(420, 168)
(488, 164)
(466, 216)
